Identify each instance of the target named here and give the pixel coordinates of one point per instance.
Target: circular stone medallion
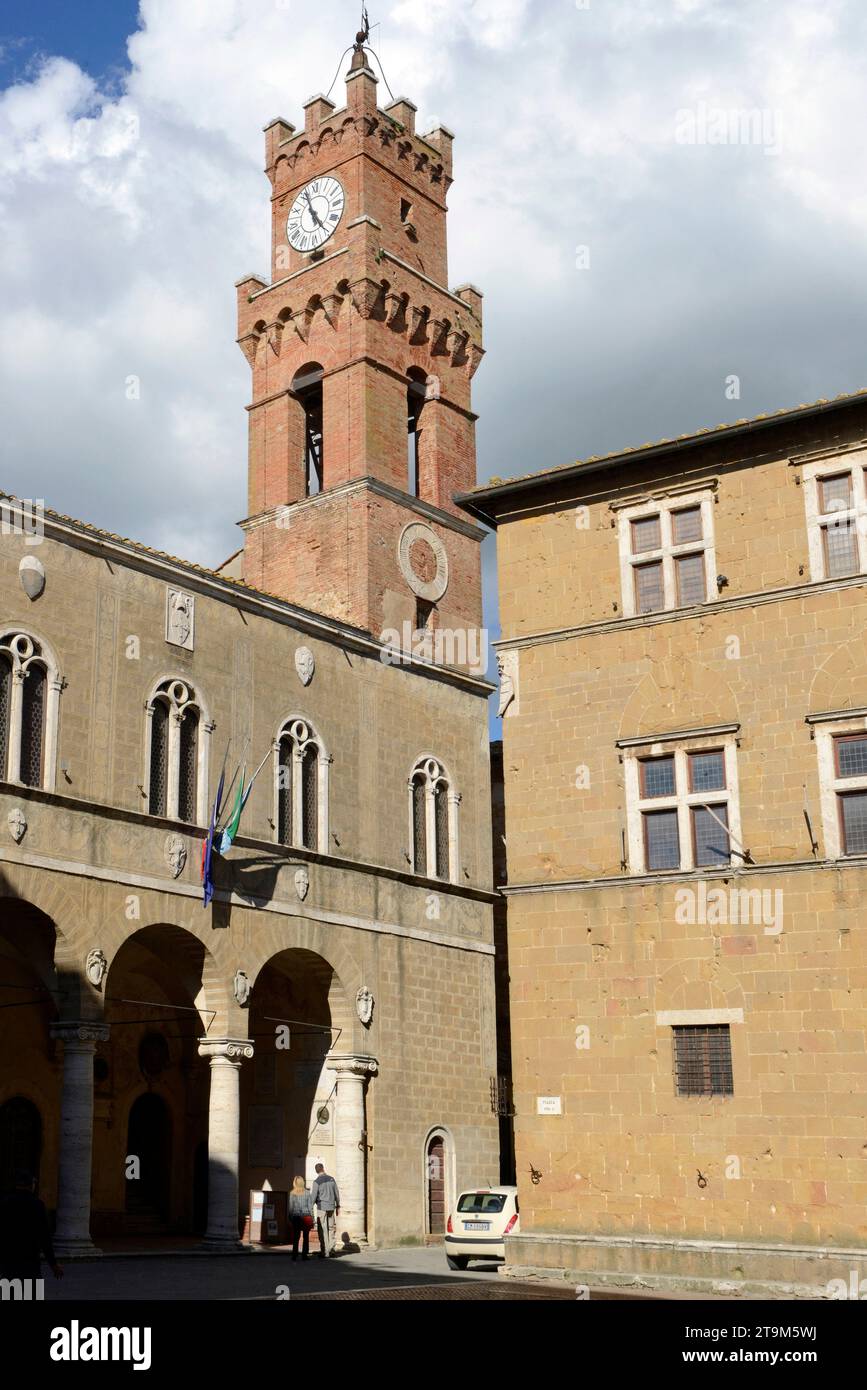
(423, 561)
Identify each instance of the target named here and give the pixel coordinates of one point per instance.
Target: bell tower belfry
(360, 426)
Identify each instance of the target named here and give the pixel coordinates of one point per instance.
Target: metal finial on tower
(364, 32)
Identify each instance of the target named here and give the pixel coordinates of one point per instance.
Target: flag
(208, 846)
(230, 831)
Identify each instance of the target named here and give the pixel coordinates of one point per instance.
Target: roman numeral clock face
(315, 214)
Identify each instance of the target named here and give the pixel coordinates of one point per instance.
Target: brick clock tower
(361, 428)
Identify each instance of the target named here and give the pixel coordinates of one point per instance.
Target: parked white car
(478, 1225)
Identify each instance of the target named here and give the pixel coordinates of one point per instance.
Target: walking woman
(301, 1216)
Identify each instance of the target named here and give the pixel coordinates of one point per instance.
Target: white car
(478, 1226)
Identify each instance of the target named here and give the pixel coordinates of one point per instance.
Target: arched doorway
(436, 1186)
(20, 1140)
(439, 1181)
(149, 1141)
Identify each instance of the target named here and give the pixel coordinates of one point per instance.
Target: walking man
(24, 1237)
(327, 1198)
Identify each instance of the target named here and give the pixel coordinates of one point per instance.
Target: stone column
(79, 1038)
(350, 1137)
(224, 1113)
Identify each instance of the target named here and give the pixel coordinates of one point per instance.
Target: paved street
(410, 1273)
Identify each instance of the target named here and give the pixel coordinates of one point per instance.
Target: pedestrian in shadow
(301, 1216)
(24, 1235)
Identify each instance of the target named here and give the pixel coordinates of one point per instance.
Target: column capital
(74, 1032)
(352, 1064)
(226, 1049)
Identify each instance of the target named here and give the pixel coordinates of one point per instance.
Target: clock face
(315, 213)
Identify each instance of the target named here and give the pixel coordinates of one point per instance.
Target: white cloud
(127, 215)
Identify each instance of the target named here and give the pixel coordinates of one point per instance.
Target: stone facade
(335, 1001)
(622, 1177)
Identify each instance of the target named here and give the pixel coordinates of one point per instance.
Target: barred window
(159, 766)
(441, 826)
(32, 725)
(419, 831)
(284, 790)
(703, 1060)
(188, 769)
(5, 711)
(310, 777)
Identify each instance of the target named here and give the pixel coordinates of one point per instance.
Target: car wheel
(457, 1261)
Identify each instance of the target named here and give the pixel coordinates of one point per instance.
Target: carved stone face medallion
(176, 854)
(364, 1002)
(305, 665)
(95, 967)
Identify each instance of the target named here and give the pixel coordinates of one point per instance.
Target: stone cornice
(381, 489)
(577, 885)
(671, 615)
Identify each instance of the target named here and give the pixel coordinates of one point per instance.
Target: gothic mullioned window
(301, 787)
(177, 749)
(433, 813)
(29, 705)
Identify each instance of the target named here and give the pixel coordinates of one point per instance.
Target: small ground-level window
(703, 1060)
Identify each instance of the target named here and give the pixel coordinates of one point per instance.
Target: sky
(663, 201)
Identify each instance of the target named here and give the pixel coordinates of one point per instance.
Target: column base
(75, 1245)
(222, 1245)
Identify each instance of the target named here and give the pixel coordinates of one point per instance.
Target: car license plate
(477, 1225)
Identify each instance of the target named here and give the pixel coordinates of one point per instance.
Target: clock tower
(360, 426)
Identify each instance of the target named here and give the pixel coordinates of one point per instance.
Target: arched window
(301, 787)
(177, 748)
(415, 398)
(29, 705)
(307, 389)
(5, 710)
(433, 810)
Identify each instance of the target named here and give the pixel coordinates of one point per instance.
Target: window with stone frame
(301, 787)
(433, 814)
(682, 804)
(667, 555)
(835, 497)
(29, 708)
(841, 744)
(703, 1060)
(177, 753)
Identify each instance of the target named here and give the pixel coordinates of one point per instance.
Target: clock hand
(313, 211)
